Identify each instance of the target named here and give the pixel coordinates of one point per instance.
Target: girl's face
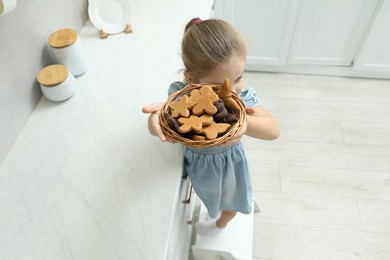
(231, 70)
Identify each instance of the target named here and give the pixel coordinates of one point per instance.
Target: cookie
(182, 107)
(194, 123)
(221, 111)
(205, 97)
(172, 123)
(230, 119)
(223, 115)
(198, 137)
(213, 130)
(225, 94)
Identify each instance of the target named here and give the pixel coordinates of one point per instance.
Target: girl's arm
(154, 121)
(261, 125)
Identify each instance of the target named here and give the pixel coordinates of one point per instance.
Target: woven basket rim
(167, 131)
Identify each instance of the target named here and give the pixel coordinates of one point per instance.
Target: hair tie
(196, 21)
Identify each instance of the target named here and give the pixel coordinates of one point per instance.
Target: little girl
(212, 51)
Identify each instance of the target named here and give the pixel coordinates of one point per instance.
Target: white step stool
(234, 242)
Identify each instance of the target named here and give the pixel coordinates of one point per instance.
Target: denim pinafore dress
(220, 174)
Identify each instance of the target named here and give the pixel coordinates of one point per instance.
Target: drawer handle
(188, 193)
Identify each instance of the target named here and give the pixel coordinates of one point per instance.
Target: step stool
(234, 242)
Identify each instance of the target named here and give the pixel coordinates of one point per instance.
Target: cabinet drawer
(180, 231)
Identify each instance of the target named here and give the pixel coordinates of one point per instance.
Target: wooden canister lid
(52, 75)
(62, 38)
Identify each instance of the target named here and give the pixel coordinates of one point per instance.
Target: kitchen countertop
(85, 180)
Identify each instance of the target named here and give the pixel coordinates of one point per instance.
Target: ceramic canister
(68, 50)
(7, 6)
(57, 83)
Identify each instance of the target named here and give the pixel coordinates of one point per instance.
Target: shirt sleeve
(249, 97)
(175, 86)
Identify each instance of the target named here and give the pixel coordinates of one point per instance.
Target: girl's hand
(249, 110)
(154, 121)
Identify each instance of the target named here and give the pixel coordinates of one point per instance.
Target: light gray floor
(324, 186)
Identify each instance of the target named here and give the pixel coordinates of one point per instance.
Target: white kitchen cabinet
(332, 37)
(329, 32)
(180, 231)
(375, 53)
(267, 24)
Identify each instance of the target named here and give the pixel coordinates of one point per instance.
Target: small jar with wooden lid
(67, 49)
(57, 83)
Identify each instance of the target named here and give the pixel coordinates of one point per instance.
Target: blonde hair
(209, 43)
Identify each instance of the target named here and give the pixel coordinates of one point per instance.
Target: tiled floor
(324, 185)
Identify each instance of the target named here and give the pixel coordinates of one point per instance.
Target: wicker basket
(241, 115)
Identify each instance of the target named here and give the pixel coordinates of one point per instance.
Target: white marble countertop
(85, 180)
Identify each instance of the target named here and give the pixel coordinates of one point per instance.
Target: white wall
(23, 53)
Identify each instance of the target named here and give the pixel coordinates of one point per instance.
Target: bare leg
(225, 218)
